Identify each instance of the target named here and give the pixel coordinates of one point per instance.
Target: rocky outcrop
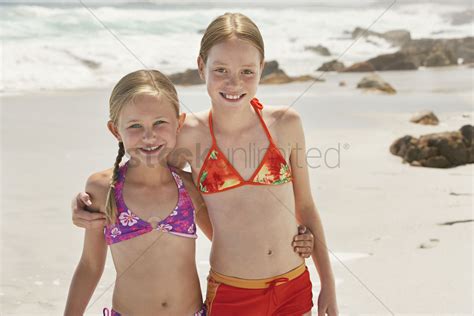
(395, 61)
(438, 150)
(187, 78)
(425, 118)
(360, 67)
(272, 74)
(333, 65)
(440, 52)
(374, 82)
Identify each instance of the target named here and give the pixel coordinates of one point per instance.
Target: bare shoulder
(284, 115)
(195, 123)
(285, 120)
(97, 186)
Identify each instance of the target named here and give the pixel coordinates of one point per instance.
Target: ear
(113, 129)
(181, 119)
(201, 66)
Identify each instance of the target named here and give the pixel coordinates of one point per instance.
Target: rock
(360, 32)
(272, 74)
(438, 150)
(277, 77)
(396, 37)
(395, 61)
(439, 52)
(360, 67)
(375, 82)
(342, 83)
(425, 118)
(333, 65)
(280, 77)
(187, 78)
(433, 242)
(320, 49)
(439, 58)
(270, 67)
(463, 17)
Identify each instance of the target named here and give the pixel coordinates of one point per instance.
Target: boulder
(186, 78)
(270, 67)
(272, 74)
(425, 118)
(333, 65)
(395, 61)
(438, 150)
(375, 83)
(360, 67)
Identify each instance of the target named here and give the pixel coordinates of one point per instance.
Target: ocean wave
(69, 47)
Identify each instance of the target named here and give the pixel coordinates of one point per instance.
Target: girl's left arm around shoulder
(306, 211)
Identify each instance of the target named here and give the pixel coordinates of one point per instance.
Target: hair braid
(111, 206)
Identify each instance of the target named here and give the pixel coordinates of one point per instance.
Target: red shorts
(289, 294)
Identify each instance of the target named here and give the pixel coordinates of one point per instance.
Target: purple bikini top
(179, 222)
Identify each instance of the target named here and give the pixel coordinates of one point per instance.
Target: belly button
(164, 304)
(269, 252)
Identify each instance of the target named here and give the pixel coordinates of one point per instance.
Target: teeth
(232, 97)
(151, 148)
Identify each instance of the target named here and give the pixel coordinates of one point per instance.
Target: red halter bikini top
(217, 173)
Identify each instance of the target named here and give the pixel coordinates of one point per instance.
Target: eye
(159, 122)
(220, 70)
(248, 72)
(135, 126)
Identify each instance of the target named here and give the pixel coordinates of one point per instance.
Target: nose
(234, 79)
(149, 134)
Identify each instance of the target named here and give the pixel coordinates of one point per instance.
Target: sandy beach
(376, 210)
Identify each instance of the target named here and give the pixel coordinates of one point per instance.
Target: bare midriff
(150, 281)
(253, 230)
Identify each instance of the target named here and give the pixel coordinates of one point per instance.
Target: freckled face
(148, 128)
(232, 72)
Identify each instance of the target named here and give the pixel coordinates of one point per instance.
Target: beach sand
(376, 210)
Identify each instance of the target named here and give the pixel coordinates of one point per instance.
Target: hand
(81, 217)
(303, 243)
(327, 304)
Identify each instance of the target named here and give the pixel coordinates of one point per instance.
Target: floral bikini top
(179, 222)
(217, 173)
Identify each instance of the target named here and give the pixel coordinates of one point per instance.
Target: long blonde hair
(227, 26)
(140, 82)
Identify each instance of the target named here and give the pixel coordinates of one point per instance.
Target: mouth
(232, 97)
(150, 150)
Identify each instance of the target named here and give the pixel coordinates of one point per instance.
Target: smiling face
(232, 72)
(148, 128)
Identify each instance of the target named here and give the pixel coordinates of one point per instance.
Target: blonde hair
(227, 26)
(140, 82)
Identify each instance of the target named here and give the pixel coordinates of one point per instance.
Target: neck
(148, 174)
(232, 120)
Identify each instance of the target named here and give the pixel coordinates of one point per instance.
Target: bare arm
(91, 265)
(202, 216)
(308, 215)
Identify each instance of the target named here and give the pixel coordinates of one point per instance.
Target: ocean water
(85, 44)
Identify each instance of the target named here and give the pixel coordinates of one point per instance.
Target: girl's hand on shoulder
(82, 217)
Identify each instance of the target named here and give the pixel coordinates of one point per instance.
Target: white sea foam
(66, 47)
